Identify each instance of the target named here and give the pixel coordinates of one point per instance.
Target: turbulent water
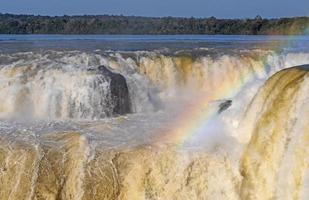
(93, 117)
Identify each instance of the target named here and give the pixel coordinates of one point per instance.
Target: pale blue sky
(186, 8)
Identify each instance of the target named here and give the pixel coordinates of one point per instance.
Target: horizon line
(156, 17)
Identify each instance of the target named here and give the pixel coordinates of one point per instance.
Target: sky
(156, 8)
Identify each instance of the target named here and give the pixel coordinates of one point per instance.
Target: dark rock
(304, 67)
(224, 105)
(119, 91)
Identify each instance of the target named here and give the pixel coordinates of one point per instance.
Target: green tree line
(109, 24)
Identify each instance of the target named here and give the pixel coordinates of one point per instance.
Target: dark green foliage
(107, 24)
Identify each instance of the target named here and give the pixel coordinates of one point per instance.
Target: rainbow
(196, 114)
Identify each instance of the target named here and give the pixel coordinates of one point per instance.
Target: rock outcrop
(119, 91)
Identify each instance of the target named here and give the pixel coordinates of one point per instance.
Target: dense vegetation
(106, 24)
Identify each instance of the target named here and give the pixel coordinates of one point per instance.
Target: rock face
(119, 91)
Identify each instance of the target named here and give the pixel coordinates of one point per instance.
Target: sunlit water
(159, 70)
(186, 99)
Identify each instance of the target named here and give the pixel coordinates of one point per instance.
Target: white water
(56, 121)
(59, 85)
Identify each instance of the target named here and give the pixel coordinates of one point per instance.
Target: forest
(110, 24)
